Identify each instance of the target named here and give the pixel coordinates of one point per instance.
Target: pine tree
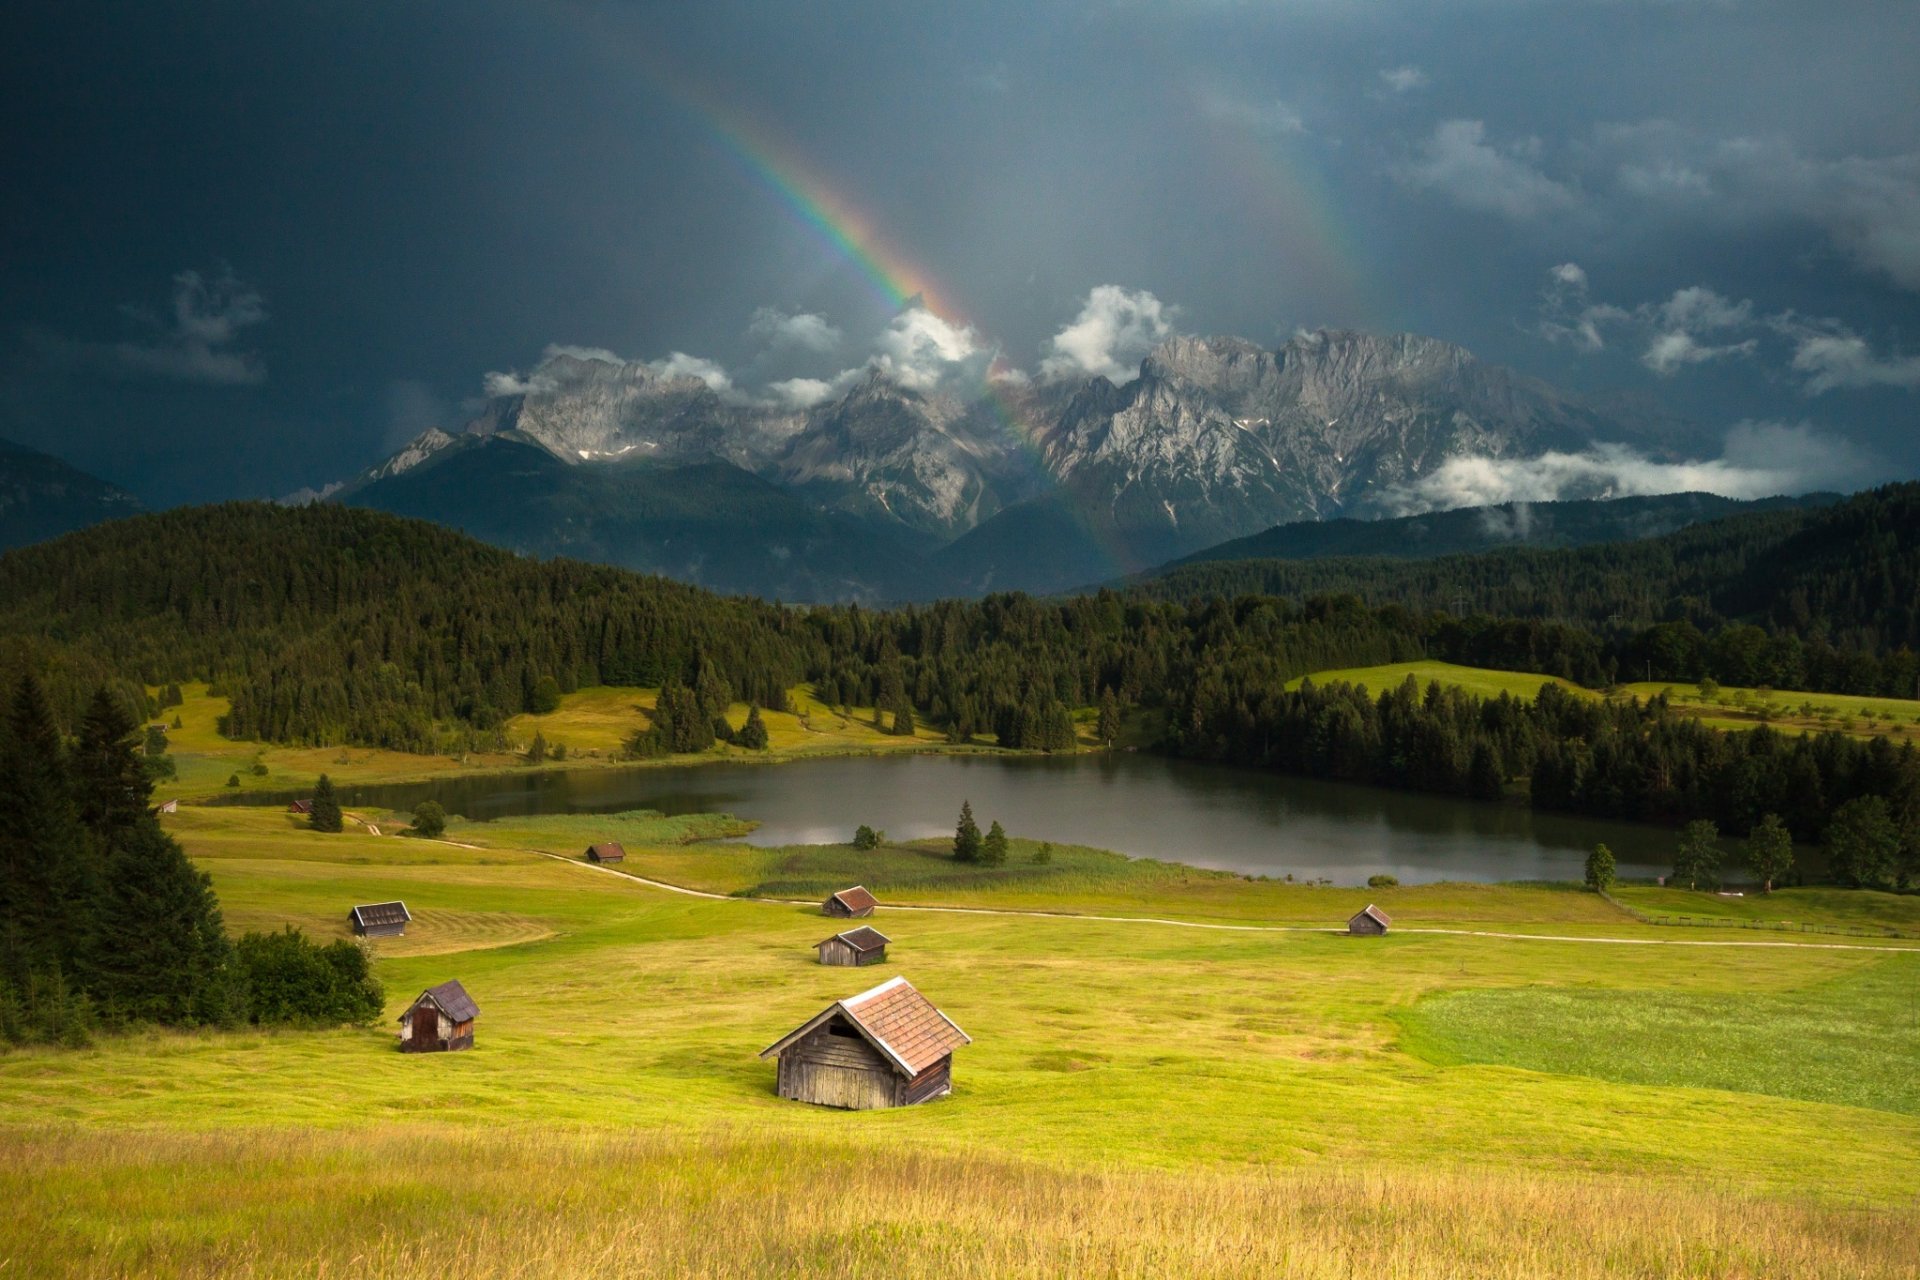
(537, 751)
(993, 850)
(1600, 869)
(1108, 727)
(326, 809)
(48, 874)
(753, 734)
(966, 836)
(902, 717)
(1770, 850)
(163, 955)
(111, 789)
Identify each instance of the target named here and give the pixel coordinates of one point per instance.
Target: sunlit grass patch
(1852, 1040)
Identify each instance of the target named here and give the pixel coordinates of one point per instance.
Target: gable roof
(1379, 916)
(895, 1019)
(865, 938)
(452, 999)
(856, 898)
(378, 913)
(606, 851)
(300, 806)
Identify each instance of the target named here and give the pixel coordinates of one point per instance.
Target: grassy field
(1140, 1099)
(1790, 711)
(1483, 681)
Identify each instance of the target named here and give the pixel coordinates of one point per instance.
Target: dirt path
(1229, 928)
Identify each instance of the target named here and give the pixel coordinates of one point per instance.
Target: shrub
(1600, 869)
(294, 981)
(430, 819)
(1383, 882)
(865, 837)
(259, 769)
(233, 779)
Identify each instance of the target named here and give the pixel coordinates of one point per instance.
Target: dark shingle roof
(453, 1000)
(608, 852)
(865, 938)
(1370, 910)
(379, 913)
(856, 898)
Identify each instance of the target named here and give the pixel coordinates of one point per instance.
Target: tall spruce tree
(48, 874)
(163, 955)
(326, 809)
(111, 788)
(966, 836)
(993, 849)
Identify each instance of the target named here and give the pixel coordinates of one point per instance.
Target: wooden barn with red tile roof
(1369, 920)
(854, 948)
(888, 1047)
(608, 852)
(850, 904)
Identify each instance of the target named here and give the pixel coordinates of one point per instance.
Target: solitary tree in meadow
(326, 809)
(1863, 845)
(1770, 850)
(993, 850)
(865, 838)
(1697, 862)
(1044, 854)
(429, 819)
(966, 836)
(1600, 869)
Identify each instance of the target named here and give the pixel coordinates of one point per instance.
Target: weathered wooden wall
(836, 1070)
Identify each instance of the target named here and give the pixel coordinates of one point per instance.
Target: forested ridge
(1813, 599)
(329, 625)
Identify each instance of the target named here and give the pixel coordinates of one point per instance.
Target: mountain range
(42, 497)
(893, 492)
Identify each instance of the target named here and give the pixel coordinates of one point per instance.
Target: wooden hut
(380, 919)
(171, 806)
(1370, 920)
(441, 1019)
(609, 852)
(888, 1047)
(850, 904)
(854, 948)
(300, 806)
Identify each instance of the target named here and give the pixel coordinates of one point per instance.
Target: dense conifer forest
(330, 625)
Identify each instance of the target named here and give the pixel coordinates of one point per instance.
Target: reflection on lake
(1147, 806)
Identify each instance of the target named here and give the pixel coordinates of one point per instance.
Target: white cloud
(1697, 325)
(1114, 329)
(208, 316)
(805, 331)
(1832, 357)
(1757, 460)
(512, 384)
(681, 365)
(801, 393)
(1459, 163)
(922, 352)
(1270, 115)
(1404, 79)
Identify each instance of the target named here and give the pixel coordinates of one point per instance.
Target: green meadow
(1519, 1080)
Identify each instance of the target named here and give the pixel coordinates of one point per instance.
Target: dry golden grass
(412, 1200)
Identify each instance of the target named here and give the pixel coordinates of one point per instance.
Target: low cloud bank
(1758, 460)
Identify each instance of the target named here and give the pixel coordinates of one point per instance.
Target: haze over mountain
(42, 497)
(1035, 484)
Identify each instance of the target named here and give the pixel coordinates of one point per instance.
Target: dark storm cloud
(425, 193)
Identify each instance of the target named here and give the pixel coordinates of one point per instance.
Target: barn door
(426, 1026)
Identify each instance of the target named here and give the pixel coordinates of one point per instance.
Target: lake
(1147, 806)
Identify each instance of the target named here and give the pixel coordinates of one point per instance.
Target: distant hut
(380, 919)
(1371, 920)
(300, 806)
(608, 852)
(888, 1047)
(171, 806)
(441, 1019)
(854, 948)
(850, 904)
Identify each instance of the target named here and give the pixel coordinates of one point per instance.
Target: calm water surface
(1147, 806)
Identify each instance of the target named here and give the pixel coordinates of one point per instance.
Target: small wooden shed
(1369, 920)
(609, 852)
(300, 806)
(380, 919)
(888, 1047)
(171, 806)
(854, 948)
(850, 904)
(440, 1020)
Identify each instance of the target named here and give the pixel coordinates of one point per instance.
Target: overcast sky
(254, 246)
